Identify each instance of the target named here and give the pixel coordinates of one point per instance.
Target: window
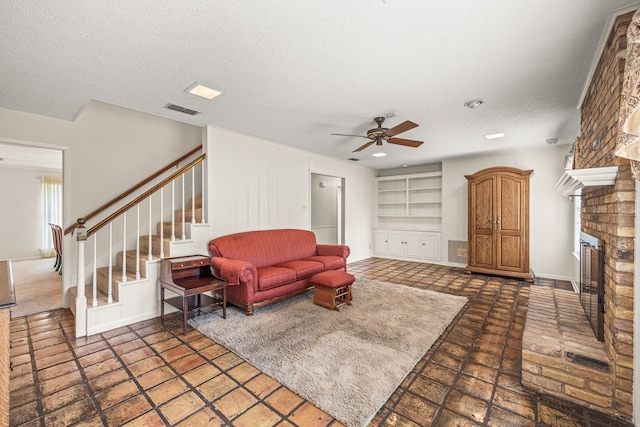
(51, 205)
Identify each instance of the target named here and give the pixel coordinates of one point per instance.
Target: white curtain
(51, 195)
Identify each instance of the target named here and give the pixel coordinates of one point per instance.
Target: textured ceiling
(296, 71)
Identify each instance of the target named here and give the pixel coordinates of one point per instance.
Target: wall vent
(180, 109)
(458, 251)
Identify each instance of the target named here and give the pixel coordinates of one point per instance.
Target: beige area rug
(347, 363)
(37, 285)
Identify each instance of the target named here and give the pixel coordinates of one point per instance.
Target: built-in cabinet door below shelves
(407, 244)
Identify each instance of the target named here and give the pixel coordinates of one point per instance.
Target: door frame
(340, 202)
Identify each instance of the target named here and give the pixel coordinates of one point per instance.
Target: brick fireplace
(571, 363)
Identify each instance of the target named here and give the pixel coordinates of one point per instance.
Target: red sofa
(267, 266)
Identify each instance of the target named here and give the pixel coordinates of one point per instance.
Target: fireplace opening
(592, 282)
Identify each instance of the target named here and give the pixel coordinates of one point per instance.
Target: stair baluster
(161, 222)
(184, 237)
(151, 228)
(173, 209)
(137, 242)
(193, 196)
(95, 270)
(124, 247)
(110, 275)
(202, 192)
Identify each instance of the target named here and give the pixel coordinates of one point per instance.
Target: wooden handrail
(144, 195)
(132, 189)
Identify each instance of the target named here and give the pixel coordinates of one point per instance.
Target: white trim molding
(573, 180)
(601, 44)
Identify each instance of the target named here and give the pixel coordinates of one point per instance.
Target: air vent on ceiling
(180, 109)
(353, 159)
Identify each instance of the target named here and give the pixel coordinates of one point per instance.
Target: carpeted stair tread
(166, 225)
(131, 261)
(155, 243)
(188, 214)
(116, 277)
(101, 297)
(197, 201)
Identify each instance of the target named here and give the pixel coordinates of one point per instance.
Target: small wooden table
(190, 277)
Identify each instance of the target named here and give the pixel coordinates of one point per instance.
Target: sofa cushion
(329, 262)
(303, 268)
(271, 277)
(263, 248)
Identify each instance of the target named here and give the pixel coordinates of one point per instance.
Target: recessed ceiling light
(494, 136)
(379, 154)
(202, 91)
(474, 103)
(552, 141)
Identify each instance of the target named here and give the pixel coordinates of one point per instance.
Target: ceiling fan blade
(346, 134)
(406, 142)
(363, 147)
(402, 127)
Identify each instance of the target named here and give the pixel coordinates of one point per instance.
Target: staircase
(121, 287)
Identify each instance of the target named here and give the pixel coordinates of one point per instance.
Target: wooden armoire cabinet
(499, 222)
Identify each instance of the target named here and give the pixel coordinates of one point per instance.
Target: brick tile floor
(149, 374)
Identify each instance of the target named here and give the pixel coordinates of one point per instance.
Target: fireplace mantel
(573, 180)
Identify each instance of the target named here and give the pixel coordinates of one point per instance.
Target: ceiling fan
(380, 134)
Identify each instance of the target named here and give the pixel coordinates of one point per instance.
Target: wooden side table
(190, 277)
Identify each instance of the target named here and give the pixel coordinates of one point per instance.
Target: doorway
(327, 208)
(27, 170)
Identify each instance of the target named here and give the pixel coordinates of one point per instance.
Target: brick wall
(608, 212)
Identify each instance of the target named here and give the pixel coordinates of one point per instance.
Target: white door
(413, 244)
(380, 245)
(431, 246)
(396, 243)
(327, 218)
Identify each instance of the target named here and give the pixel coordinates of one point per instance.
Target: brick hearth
(560, 353)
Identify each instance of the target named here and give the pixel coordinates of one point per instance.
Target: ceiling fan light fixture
(379, 154)
(474, 103)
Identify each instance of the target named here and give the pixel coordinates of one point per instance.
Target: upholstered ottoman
(332, 289)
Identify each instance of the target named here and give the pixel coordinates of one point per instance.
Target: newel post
(81, 298)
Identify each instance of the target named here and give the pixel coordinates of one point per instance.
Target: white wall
(257, 184)
(20, 226)
(551, 226)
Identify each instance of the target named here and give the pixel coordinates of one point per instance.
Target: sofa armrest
(342, 251)
(234, 271)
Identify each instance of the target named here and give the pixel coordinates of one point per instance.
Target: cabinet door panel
(431, 246)
(395, 245)
(380, 242)
(482, 254)
(482, 199)
(510, 215)
(510, 253)
(413, 244)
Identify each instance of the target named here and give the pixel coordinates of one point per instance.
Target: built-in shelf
(573, 180)
(410, 202)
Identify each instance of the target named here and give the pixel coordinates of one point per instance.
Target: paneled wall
(257, 184)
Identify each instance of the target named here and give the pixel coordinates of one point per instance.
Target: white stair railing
(130, 235)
